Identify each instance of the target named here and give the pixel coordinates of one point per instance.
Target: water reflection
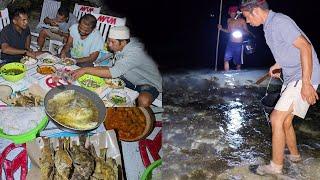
(234, 121)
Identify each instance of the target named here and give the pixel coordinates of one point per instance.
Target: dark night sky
(179, 33)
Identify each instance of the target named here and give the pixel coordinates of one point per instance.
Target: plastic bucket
(270, 101)
(249, 46)
(28, 136)
(147, 174)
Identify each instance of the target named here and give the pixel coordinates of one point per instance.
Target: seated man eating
(63, 21)
(85, 41)
(133, 65)
(15, 38)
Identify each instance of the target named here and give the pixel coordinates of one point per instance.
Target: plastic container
(147, 174)
(98, 80)
(270, 101)
(28, 136)
(14, 65)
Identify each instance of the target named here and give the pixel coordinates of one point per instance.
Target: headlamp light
(237, 34)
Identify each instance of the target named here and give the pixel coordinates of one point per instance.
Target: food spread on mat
(130, 123)
(12, 72)
(28, 60)
(72, 161)
(45, 70)
(115, 83)
(118, 100)
(73, 110)
(68, 61)
(90, 83)
(48, 61)
(24, 99)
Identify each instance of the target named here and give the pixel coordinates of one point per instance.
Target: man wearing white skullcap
(119, 32)
(133, 65)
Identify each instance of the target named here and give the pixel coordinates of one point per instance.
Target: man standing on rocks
(237, 28)
(295, 55)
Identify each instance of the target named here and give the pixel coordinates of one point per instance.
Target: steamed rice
(19, 120)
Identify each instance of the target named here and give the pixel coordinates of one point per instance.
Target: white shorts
(291, 94)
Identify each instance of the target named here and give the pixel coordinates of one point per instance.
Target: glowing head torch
(237, 34)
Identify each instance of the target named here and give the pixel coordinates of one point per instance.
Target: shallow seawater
(216, 129)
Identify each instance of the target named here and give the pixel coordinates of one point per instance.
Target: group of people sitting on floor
(83, 42)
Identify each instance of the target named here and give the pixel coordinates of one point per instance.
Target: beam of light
(237, 34)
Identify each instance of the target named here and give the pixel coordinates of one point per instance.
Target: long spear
(218, 39)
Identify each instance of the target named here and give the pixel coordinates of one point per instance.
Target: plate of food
(130, 123)
(85, 156)
(119, 98)
(46, 69)
(28, 60)
(48, 61)
(115, 83)
(22, 124)
(24, 99)
(91, 82)
(68, 61)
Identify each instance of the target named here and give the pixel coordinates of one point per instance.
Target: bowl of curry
(130, 123)
(46, 69)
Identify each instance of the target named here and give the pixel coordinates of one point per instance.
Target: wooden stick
(218, 40)
(264, 77)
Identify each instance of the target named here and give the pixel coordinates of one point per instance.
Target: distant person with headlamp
(237, 28)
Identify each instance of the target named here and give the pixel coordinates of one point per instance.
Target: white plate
(115, 95)
(68, 61)
(49, 61)
(28, 60)
(5, 92)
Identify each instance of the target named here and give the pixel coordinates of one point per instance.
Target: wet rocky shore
(215, 127)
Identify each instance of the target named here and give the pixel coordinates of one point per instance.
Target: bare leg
(238, 66)
(278, 134)
(226, 65)
(290, 135)
(42, 38)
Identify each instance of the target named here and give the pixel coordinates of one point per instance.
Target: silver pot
(97, 101)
